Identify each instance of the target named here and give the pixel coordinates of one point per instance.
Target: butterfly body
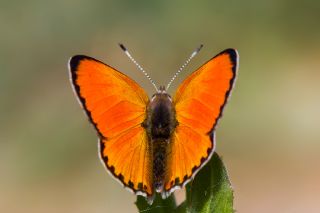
(160, 124)
(157, 144)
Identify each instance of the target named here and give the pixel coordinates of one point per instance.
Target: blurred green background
(269, 135)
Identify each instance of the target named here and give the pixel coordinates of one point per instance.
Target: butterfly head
(162, 89)
(162, 95)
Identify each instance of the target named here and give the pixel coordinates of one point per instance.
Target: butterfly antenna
(138, 65)
(193, 54)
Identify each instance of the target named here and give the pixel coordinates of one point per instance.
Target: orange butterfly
(155, 145)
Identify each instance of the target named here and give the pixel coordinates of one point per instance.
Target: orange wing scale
(116, 105)
(199, 102)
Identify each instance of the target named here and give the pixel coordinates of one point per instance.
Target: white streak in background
(193, 54)
(138, 65)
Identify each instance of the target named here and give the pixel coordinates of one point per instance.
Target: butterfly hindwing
(116, 106)
(127, 156)
(199, 102)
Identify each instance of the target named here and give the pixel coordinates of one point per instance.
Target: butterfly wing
(116, 106)
(199, 102)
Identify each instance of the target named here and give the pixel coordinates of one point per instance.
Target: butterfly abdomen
(160, 124)
(159, 147)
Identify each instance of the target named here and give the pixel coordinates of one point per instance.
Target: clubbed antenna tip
(199, 48)
(122, 47)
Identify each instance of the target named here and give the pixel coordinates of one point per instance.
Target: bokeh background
(270, 132)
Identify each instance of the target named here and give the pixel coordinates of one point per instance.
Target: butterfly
(158, 144)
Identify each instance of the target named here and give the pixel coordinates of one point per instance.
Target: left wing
(116, 106)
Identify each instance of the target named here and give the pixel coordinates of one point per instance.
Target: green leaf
(210, 191)
(182, 208)
(159, 205)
